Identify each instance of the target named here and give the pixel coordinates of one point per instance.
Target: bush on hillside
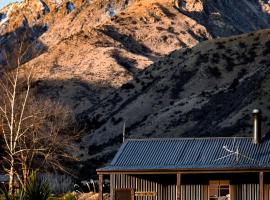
(214, 71)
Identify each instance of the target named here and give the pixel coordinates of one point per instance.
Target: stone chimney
(257, 135)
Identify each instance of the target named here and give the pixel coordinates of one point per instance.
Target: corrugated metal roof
(191, 153)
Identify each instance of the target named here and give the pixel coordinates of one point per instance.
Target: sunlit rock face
(191, 5)
(265, 5)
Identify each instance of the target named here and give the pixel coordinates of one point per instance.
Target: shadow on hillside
(24, 43)
(166, 11)
(237, 17)
(76, 94)
(127, 63)
(128, 42)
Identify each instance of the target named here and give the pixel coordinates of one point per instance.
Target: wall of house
(194, 192)
(193, 187)
(243, 186)
(245, 192)
(163, 185)
(267, 191)
(238, 192)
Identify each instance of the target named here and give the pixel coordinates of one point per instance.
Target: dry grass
(92, 196)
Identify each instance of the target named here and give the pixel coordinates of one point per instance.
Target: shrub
(241, 73)
(242, 45)
(128, 86)
(202, 58)
(69, 196)
(229, 67)
(247, 59)
(267, 48)
(215, 58)
(220, 45)
(36, 188)
(214, 71)
(6, 196)
(59, 183)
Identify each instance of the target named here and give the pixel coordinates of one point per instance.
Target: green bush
(69, 196)
(6, 196)
(36, 188)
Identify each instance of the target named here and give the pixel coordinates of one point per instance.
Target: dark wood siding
(165, 187)
(194, 192)
(245, 192)
(267, 191)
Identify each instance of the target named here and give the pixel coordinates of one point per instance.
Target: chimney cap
(256, 111)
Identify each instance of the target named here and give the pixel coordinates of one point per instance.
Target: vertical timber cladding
(158, 187)
(146, 187)
(246, 192)
(193, 187)
(266, 191)
(266, 186)
(245, 186)
(194, 192)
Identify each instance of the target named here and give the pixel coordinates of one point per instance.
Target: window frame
(219, 184)
(131, 190)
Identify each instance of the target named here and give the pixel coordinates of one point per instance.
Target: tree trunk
(24, 169)
(11, 177)
(25, 173)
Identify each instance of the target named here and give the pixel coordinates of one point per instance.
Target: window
(219, 190)
(123, 194)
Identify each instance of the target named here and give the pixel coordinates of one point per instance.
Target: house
(216, 168)
(4, 178)
(4, 181)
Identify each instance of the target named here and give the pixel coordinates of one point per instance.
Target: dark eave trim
(183, 171)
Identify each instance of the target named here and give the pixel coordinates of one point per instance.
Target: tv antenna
(235, 151)
(124, 131)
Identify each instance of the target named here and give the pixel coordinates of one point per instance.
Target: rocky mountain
(159, 66)
(208, 90)
(226, 18)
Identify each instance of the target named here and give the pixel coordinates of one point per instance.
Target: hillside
(225, 18)
(208, 90)
(94, 53)
(78, 49)
(158, 65)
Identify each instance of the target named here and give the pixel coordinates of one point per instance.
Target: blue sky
(5, 2)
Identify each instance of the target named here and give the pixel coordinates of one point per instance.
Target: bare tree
(33, 130)
(12, 115)
(48, 142)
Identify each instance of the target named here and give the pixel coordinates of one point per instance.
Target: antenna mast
(124, 132)
(235, 152)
